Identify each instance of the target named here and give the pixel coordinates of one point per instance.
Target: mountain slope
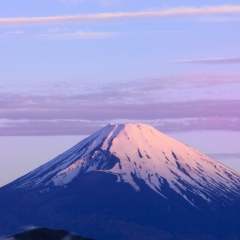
(143, 152)
(128, 174)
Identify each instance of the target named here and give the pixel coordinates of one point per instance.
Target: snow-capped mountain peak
(138, 152)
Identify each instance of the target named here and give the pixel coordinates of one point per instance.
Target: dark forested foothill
(46, 234)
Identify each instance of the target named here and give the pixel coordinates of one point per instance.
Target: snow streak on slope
(138, 151)
(80, 151)
(155, 157)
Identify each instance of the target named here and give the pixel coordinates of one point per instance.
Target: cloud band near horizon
(67, 127)
(74, 115)
(173, 12)
(74, 109)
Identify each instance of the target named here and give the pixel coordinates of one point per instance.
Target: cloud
(10, 34)
(105, 2)
(110, 105)
(81, 1)
(172, 12)
(57, 34)
(16, 32)
(224, 156)
(191, 80)
(172, 104)
(199, 124)
(78, 35)
(50, 128)
(73, 1)
(212, 61)
(173, 88)
(83, 114)
(79, 127)
(220, 19)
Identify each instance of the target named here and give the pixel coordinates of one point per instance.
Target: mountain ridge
(127, 175)
(145, 153)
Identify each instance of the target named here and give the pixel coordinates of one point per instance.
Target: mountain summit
(138, 151)
(129, 175)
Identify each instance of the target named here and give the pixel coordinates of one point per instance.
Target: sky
(70, 67)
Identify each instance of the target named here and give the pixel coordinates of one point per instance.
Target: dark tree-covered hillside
(46, 234)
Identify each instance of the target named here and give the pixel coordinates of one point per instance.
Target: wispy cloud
(16, 32)
(7, 34)
(212, 61)
(77, 35)
(224, 156)
(79, 127)
(199, 124)
(78, 107)
(104, 2)
(172, 12)
(73, 1)
(220, 19)
(141, 90)
(57, 34)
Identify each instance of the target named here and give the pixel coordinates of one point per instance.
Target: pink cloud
(143, 100)
(172, 12)
(200, 124)
(82, 107)
(79, 114)
(77, 127)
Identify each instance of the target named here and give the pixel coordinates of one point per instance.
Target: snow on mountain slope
(79, 151)
(138, 151)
